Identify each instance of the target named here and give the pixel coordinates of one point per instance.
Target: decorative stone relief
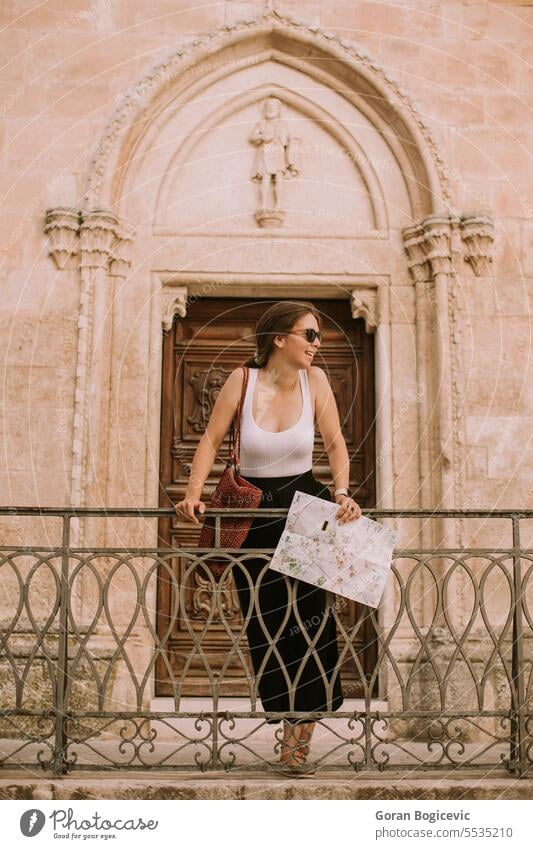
(477, 233)
(364, 305)
(276, 159)
(428, 246)
(120, 252)
(97, 236)
(62, 226)
(414, 246)
(97, 233)
(173, 302)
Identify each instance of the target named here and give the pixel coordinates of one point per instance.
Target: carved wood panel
(199, 353)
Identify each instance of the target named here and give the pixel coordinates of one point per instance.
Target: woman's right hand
(186, 507)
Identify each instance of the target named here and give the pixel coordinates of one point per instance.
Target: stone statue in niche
(276, 159)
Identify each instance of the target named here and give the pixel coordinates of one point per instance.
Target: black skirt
(289, 680)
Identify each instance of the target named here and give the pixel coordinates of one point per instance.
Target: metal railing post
(62, 653)
(216, 677)
(518, 719)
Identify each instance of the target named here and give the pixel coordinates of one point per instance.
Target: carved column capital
(364, 305)
(120, 251)
(97, 234)
(428, 245)
(477, 233)
(173, 302)
(438, 241)
(415, 248)
(62, 226)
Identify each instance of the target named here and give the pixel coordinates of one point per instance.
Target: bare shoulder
(228, 397)
(318, 378)
(318, 386)
(317, 373)
(226, 404)
(236, 376)
(233, 384)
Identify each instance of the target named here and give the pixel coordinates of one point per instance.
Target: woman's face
(296, 347)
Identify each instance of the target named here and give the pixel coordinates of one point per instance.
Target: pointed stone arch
(323, 55)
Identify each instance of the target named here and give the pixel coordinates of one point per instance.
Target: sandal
(304, 738)
(292, 756)
(297, 766)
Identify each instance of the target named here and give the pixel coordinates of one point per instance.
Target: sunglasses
(310, 334)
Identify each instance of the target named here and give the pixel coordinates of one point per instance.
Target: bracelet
(342, 491)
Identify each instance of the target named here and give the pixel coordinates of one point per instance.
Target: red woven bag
(232, 490)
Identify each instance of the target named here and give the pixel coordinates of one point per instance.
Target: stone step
(429, 785)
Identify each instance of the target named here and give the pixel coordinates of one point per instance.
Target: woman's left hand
(349, 509)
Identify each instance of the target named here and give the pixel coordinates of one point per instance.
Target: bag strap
(235, 429)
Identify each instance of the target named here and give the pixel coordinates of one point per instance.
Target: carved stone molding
(364, 304)
(438, 241)
(270, 217)
(97, 236)
(173, 302)
(477, 233)
(62, 226)
(415, 248)
(428, 245)
(120, 252)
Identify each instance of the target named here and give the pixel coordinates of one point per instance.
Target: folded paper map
(352, 559)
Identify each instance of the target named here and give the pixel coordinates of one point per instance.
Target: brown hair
(277, 320)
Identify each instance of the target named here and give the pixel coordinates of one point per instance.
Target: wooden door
(198, 355)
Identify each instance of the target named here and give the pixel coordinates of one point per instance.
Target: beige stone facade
(126, 187)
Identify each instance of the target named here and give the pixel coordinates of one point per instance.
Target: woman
(286, 393)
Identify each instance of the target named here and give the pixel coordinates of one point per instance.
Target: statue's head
(272, 107)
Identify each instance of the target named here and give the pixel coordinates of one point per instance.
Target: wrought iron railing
(452, 685)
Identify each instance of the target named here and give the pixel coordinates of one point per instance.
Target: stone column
(97, 235)
(432, 250)
(428, 245)
(101, 243)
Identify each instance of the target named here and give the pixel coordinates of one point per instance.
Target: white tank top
(266, 454)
